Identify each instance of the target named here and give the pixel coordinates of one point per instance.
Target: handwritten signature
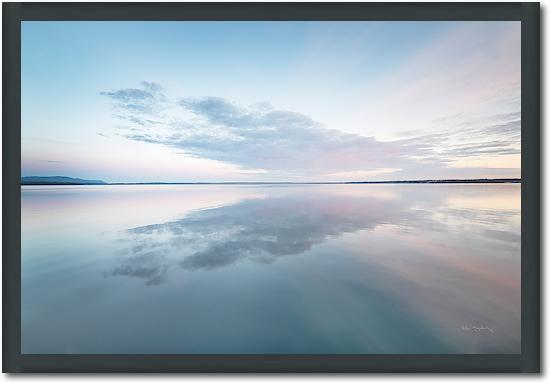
(478, 328)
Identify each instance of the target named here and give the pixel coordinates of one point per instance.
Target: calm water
(271, 269)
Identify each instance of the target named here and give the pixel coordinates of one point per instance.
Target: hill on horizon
(58, 180)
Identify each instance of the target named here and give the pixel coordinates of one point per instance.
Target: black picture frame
(529, 359)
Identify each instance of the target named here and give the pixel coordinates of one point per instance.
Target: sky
(271, 101)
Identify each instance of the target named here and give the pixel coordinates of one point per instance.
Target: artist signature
(478, 328)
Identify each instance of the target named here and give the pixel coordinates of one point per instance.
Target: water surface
(271, 269)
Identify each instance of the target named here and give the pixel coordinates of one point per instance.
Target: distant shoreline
(447, 181)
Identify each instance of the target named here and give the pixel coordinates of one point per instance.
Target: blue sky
(299, 101)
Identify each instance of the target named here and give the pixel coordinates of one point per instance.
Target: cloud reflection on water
(264, 229)
(259, 230)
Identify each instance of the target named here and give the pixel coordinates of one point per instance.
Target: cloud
(253, 137)
(461, 136)
(261, 137)
(151, 86)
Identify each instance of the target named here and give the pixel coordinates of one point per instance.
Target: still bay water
(271, 269)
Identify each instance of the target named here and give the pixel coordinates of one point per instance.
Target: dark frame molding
(529, 359)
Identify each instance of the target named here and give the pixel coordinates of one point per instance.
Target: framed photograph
(271, 187)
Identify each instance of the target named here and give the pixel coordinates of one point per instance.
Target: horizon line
(426, 180)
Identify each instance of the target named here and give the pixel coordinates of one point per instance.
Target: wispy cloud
(138, 100)
(460, 136)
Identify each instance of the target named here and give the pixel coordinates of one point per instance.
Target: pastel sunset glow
(271, 101)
